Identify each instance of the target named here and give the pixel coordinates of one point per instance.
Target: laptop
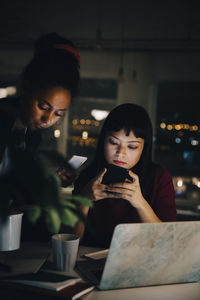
(147, 254)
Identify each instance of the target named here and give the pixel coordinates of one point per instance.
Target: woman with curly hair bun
(48, 84)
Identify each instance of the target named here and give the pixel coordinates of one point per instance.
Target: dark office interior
(145, 52)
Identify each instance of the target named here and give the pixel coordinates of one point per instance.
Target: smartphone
(69, 172)
(115, 174)
(76, 161)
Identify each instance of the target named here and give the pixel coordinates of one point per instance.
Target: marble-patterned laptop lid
(152, 254)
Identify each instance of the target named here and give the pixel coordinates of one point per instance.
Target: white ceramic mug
(65, 249)
(10, 232)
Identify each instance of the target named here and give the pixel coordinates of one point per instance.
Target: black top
(13, 139)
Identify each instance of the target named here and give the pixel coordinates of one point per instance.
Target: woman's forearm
(79, 228)
(146, 213)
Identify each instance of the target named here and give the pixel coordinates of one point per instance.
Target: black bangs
(138, 132)
(141, 129)
(130, 117)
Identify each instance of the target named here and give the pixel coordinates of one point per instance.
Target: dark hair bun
(48, 44)
(48, 40)
(55, 63)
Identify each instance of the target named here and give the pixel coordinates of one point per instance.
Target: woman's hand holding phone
(95, 190)
(129, 190)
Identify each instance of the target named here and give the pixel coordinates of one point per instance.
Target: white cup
(10, 232)
(65, 248)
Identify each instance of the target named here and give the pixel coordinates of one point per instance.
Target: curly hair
(55, 64)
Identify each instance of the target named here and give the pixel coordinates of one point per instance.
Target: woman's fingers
(119, 195)
(98, 191)
(95, 189)
(100, 195)
(65, 176)
(123, 185)
(133, 176)
(121, 189)
(99, 177)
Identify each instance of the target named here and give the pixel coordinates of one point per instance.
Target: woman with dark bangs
(147, 196)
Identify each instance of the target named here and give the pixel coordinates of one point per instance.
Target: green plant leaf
(35, 183)
(80, 199)
(52, 220)
(68, 217)
(67, 203)
(34, 213)
(76, 210)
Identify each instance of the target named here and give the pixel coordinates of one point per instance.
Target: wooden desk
(189, 291)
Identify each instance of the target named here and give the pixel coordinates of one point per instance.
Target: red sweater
(107, 213)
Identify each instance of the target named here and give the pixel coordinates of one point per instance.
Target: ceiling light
(99, 115)
(8, 91)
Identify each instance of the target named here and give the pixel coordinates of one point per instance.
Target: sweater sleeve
(163, 197)
(81, 181)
